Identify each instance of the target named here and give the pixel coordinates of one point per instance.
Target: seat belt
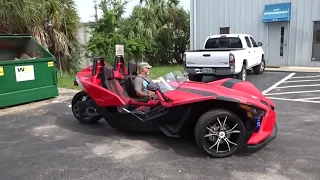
(144, 79)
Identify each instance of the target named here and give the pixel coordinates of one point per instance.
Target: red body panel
(246, 87)
(266, 128)
(252, 97)
(100, 95)
(181, 97)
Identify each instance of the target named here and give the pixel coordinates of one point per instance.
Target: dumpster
(27, 71)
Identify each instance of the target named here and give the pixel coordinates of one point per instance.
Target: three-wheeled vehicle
(223, 116)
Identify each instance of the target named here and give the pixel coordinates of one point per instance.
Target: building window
(281, 41)
(224, 30)
(318, 36)
(316, 41)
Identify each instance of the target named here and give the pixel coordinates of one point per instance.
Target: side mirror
(153, 87)
(260, 44)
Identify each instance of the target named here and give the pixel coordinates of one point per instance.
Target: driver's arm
(142, 94)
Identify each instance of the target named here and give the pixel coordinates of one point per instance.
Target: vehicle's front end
(259, 110)
(240, 115)
(262, 126)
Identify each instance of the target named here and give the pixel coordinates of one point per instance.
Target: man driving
(142, 80)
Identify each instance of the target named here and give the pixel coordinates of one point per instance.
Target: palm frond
(29, 16)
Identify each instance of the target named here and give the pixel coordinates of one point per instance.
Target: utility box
(27, 71)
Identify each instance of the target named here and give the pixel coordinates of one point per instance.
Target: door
(316, 41)
(277, 44)
(250, 53)
(256, 52)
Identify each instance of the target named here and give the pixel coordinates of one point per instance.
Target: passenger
(142, 80)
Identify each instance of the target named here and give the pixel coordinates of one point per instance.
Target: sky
(86, 8)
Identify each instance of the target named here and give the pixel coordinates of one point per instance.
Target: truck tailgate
(207, 58)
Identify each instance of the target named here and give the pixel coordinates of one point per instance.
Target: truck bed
(217, 49)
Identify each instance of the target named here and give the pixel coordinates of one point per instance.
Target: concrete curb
(64, 95)
(66, 90)
(294, 69)
(31, 106)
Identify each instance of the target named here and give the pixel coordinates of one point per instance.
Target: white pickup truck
(225, 55)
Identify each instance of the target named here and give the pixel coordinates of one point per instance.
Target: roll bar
(95, 60)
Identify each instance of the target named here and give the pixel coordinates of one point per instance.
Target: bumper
(209, 71)
(267, 140)
(268, 131)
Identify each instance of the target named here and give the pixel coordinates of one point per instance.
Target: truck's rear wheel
(243, 73)
(259, 69)
(195, 77)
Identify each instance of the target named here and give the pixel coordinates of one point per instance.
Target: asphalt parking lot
(297, 87)
(45, 141)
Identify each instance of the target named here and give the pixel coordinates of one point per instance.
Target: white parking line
(310, 98)
(278, 83)
(294, 92)
(292, 79)
(308, 85)
(301, 77)
(308, 80)
(295, 100)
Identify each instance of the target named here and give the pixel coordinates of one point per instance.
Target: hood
(243, 91)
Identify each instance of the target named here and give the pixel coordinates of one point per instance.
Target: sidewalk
(293, 69)
(64, 95)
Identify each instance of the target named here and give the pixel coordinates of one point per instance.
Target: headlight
(253, 111)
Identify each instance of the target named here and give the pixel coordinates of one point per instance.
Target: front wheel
(220, 133)
(83, 110)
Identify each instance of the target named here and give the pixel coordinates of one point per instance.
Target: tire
(259, 69)
(79, 107)
(243, 73)
(213, 117)
(197, 78)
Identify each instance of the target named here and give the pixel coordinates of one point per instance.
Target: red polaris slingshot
(223, 116)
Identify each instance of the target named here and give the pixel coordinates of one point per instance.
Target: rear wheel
(83, 110)
(220, 133)
(259, 69)
(243, 73)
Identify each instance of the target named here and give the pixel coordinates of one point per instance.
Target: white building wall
(84, 36)
(245, 16)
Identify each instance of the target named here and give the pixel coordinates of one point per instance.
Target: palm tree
(153, 21)
(29, 16)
